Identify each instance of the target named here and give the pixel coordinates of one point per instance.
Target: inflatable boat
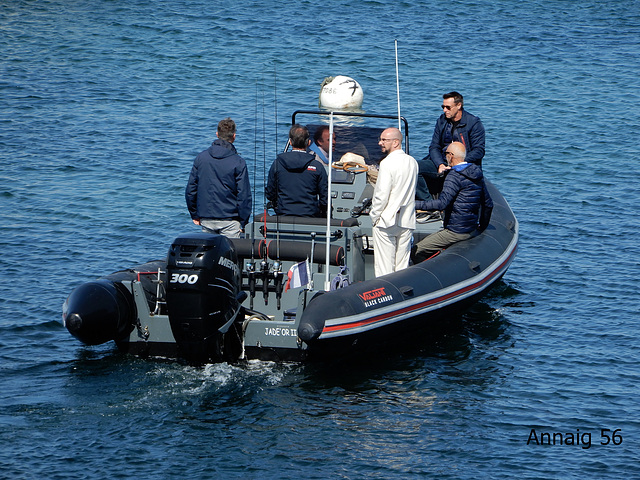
(215, 299)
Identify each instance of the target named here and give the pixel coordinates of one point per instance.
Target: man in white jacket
(393, 205)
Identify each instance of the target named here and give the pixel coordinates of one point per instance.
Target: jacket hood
(296, 161)
(470, 170)
(221, 149)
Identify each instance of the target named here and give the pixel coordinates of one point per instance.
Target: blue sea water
(104, 105)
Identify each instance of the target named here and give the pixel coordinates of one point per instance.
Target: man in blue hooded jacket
(298, 183)
(454, 125)
(465, 200)
(218, 193)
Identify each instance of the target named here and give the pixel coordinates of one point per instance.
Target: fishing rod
(264, 264)
(398, 88)
(264, 159)
(277, 264)
(251, 266)
(255, 156)
(275, 105)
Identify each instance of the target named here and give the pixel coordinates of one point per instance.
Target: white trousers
(391, 249)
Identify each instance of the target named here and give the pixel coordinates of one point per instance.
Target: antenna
(327, 283)
(398, 88)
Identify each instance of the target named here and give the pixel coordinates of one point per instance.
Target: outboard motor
(203, 297)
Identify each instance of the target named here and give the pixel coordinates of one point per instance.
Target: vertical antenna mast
(398, 87)
(327, 283)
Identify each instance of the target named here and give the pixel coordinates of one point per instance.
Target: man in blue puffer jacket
(218, 193)
(466, 203)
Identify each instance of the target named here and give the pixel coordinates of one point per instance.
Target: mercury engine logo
(231, 265)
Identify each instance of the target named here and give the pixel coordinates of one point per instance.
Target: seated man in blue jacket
(218, 193)
(298, 183)
(465, 200)
(454, 125)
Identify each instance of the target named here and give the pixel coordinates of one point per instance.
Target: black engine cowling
(203, 292)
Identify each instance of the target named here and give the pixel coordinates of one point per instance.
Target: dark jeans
(429, 180)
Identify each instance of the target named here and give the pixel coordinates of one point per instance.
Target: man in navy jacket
(320, 144)
(465, 200)
(298, 183)
(454, 125)
(218, 193)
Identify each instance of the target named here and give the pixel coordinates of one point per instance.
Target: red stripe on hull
(384, 316)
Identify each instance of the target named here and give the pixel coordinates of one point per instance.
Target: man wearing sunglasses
(454, 125)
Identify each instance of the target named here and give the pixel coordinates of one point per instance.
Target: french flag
(299, 275)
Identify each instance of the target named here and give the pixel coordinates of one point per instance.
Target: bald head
(456, 153)
(392, 133)
(390, 140)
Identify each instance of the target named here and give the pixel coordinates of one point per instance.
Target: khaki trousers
(436, 242)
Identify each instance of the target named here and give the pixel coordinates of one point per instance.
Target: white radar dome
(341, 93)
